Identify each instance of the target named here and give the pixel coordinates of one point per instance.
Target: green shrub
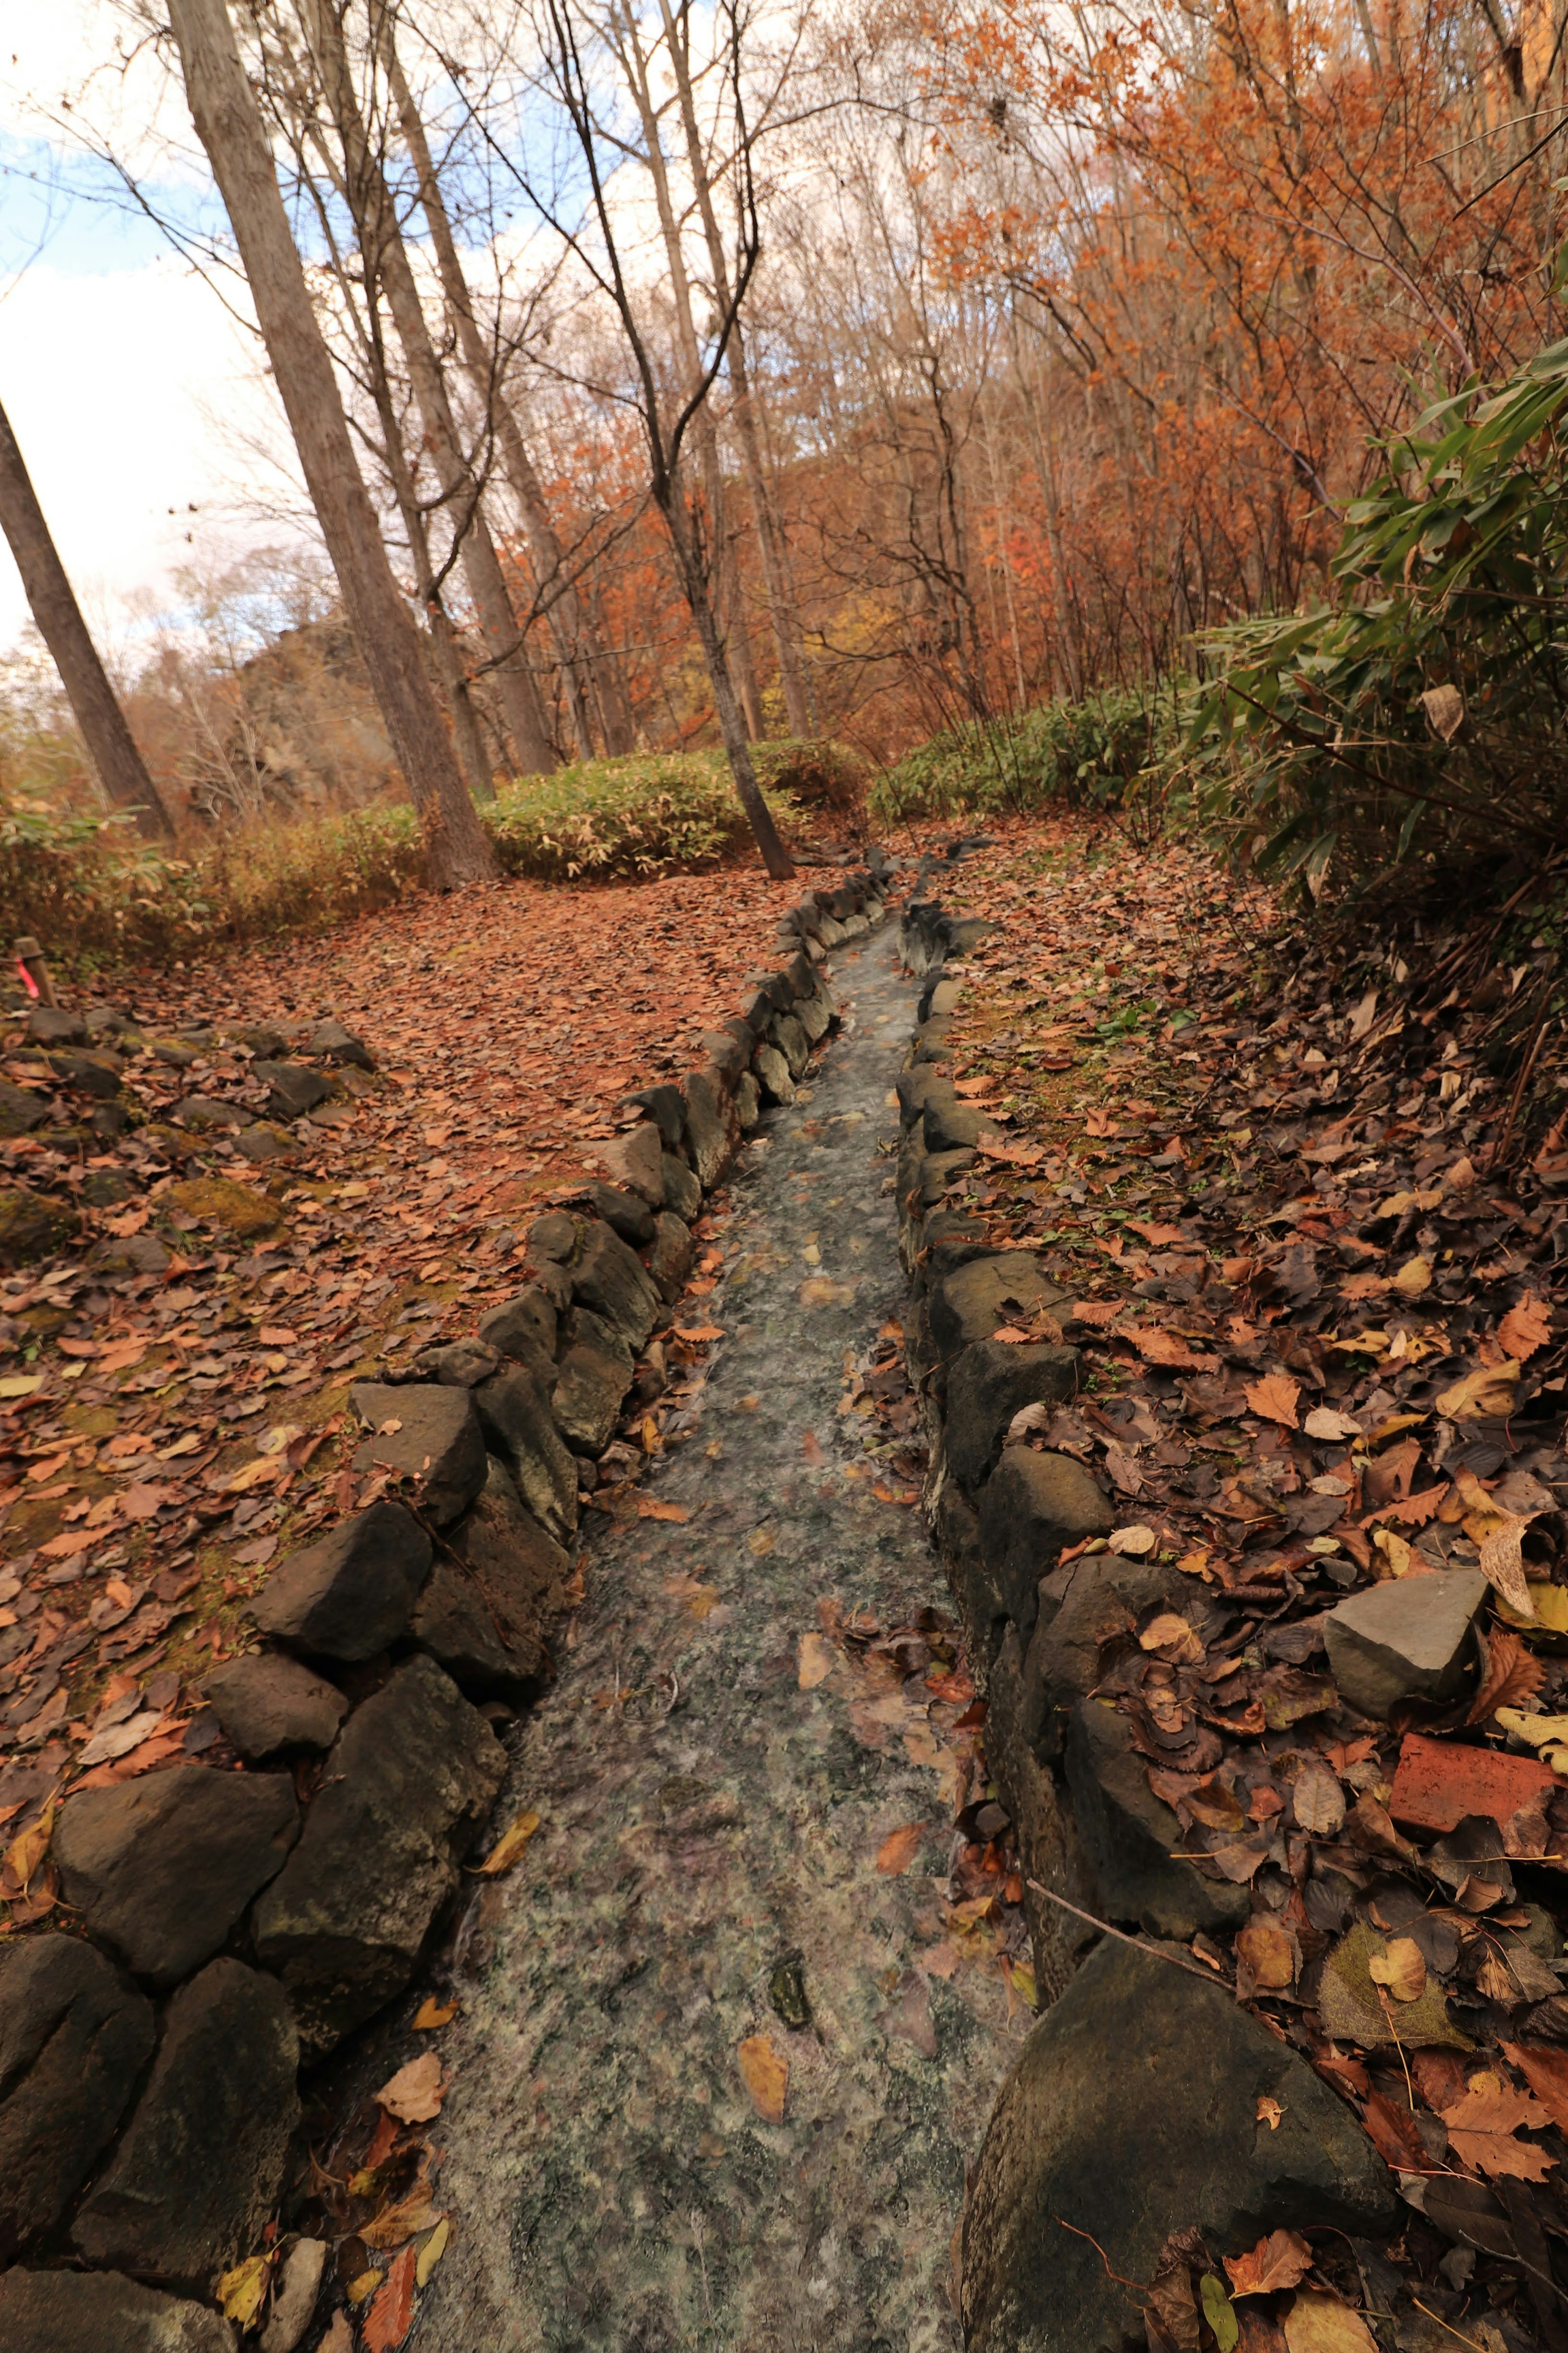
(1097, 754)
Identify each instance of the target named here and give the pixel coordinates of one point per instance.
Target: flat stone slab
(1133, 2111)
(410, 1775)
(1005, 1287)
(100, 2312)
(74, 2037)
(348, 1596)
(426, 1431)
(266, 1703)
(163, 1867)
(196, 2176)
(1408, 1638)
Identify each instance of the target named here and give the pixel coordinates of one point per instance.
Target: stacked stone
(1137, 2095)
(239, 1926)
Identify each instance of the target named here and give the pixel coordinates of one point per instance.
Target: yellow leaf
(1402, 1969)
(1487, 1391)
(366, 2285)
(1549, 1603)
(1413, 1277)
(240, 2291)
(1317, 2323)
(25, 1852)
(432, 2013)
(510, 1845)
(1395, 1550)
(431, 2252)
(1539, 1731)
(396, 2223)
(413, 2095)
(815, 1661)
(21, 1385)
(765, 2076)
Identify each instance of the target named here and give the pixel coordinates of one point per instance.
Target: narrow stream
(718, 1776)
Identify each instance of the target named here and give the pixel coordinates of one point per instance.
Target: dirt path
(721, 1766)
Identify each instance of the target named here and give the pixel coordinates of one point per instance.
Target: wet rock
(220, 1201)
(987, 1385)
(593, 1376)
(682, 1190)
(460, 1364)
(937, 1170)
(515, 1414)
(711, 1130)
(74, 2037)
(773, 1075)
(293, 1087)
(266, 1703)
(1049, 1847)
(210, 1111)
(20, 1109)
(51, 1025)
(161, 1868)
(1129, 1834)
(635, 1162)
(348, 1595)
(918, 1086)
(264, 1142)
(611, 1280)
(453, 1623)
(793, 1043)
(933, 1041)
(748, 1100)
(1006, 1288)
(100, 2312)
(626, 1214)
(89, 1073)
(437, 1442)
(522, 1326)
(1032, 1508)
(1408, 1638)
(1079, 1607)
(670, 1261)
(1132, 2112)
(336, 1044)
(195, 2178)
(105, 1189)
(297, 2285)
(32, 1225)
(411, 1777)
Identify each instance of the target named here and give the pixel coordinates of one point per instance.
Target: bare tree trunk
(386, 263)
(52, 601)
(575, 637)
(229, 126)
(726, 703)
(732, 589)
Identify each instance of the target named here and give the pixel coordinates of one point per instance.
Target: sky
(135, 394)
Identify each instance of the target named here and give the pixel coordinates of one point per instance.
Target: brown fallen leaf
(899, 1847)
(510, 1845)
(1526, 1327)
(1276, 2262)
(26, 1852)
(394, 2224)
(413, 2095)
(387, 2322)
(1275, 1398)
(1481, 2128)
(1546, 2072)
(817, 1656)
(1489, 1391)
(649, 1509)
(765, 2076)
(1513, 1675)
(1392, 2133)
(1269, 2112)
(1319, 2323)
(1402, 1970)
(1268, 1954)
(1158, 1346)
(432, 2013)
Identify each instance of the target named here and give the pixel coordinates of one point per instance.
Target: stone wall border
(240, 1924)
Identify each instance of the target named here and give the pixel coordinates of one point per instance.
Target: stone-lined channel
(711, 1812)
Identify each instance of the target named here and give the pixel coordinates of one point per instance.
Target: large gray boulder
(162, 1868)
(74, 2037)
(1133, 2111)
(1004, 1288)
(195, 2179)
(991, 1382)
(410, 1778)
(612, 1280)
(425, 1431)
(1131, 1836)
(515, 1414)
(100, 2312)
(348, 1595)
(1034, 1507)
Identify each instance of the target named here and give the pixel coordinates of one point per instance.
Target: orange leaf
(1275, 1398)
(1096, 1313)
(387, 2323)
(1481, 2128)
(698, 1333)
(648, 1510)
(1279, 2260)
(1156, 1236)
(765, 2076)
(1546, 2072)
(1514, 1674)
(1158, 1346)
(898, 1849)
(1526, 1327)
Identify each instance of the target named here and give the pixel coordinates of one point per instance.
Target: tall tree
(228, 123)
(109, 742)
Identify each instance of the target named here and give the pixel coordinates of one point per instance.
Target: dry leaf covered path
(722, 2049)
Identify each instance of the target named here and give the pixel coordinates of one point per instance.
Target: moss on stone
(32, 1225)
(234, 1208)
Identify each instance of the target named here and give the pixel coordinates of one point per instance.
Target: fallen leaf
(898, 1849)
(1276, 2262)
(817, 1656)
(1526, 1327)
(1158, 1346)
(1546, 2072)
(1268, 1954)
(1489, 1391)
(413, 2095)
(1402, 1969)
(1318, 2323)
(26, 1852)
(1275, 1398)
(647, 1509)
(1325, 1423)
(1413, 1277)
(1133, 1541)
(1481, 2128)
(1513, 1675)
(240, 2292)
(699, 1335)
(365, 2283)
(1317, 1801)
(394, 2224)
(510, 1845)
(432, 2013)
(431, 2252)
(1269, 2112)
(765, 2076)
(387, 2322)
(1222, 2320)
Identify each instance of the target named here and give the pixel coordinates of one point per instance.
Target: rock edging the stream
(239, 1925)
(1140, 2104)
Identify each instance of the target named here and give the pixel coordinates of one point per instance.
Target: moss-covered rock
(32, 1225)
(220, 1201)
